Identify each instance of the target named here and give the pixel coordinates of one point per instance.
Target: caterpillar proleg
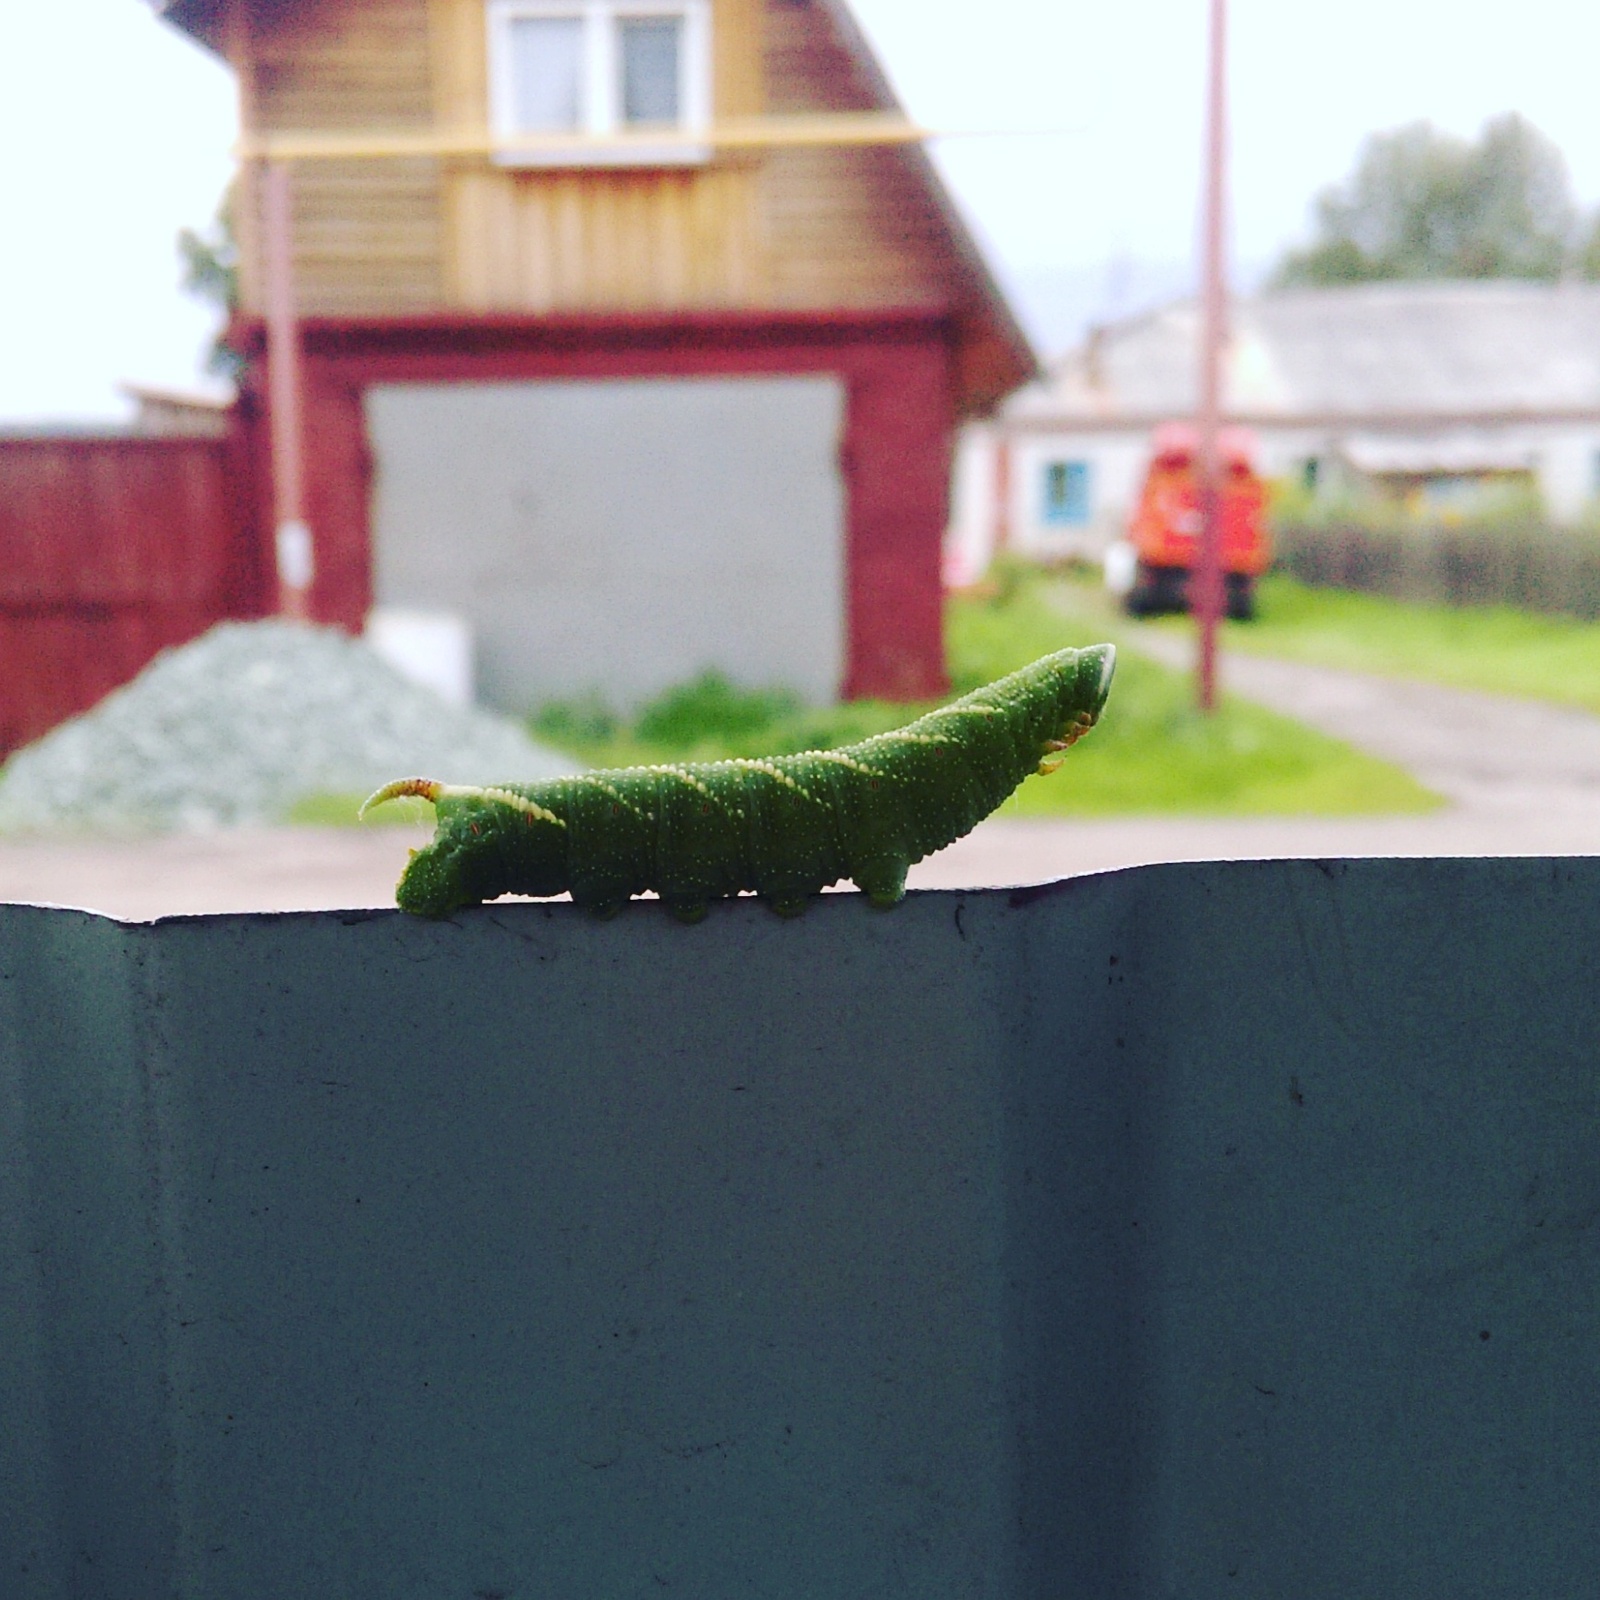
(785, 826)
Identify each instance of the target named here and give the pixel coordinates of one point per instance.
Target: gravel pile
(238, 725)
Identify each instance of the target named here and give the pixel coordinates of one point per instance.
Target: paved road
(1520, 760)
(1522, 779)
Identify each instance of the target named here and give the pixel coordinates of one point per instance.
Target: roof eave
(986, 297)
(200, 19)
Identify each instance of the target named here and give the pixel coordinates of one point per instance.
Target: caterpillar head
(1082, 680)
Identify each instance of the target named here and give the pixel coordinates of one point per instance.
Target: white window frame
(615, 145)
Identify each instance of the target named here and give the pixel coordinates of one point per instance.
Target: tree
(1586, 262)
(1422, 203)
(211, 272)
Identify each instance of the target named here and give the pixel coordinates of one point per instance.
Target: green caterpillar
(785, 827)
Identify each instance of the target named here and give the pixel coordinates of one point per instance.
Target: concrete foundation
(1190, 1231)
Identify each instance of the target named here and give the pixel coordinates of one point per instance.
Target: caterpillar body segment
(784, 827)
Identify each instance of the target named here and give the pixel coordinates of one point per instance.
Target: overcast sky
(115, 133)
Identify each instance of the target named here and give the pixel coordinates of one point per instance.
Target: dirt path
(1522, 778)
(1486, 753)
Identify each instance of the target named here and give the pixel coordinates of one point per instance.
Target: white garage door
(618, 536)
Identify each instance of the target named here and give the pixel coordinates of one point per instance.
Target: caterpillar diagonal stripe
(784, 827)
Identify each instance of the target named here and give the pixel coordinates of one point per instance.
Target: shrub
(710, 707)
(1506, 552)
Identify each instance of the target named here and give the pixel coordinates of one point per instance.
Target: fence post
(295, 559)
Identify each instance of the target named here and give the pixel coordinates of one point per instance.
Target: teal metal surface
(1197, 1230)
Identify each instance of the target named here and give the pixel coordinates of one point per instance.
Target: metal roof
(1367, 351)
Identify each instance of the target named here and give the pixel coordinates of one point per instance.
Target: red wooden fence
(112, 548)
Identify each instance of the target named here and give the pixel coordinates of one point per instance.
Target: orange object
(1165, 528)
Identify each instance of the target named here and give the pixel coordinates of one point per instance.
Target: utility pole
(292, 536)
(1207, 596)
(1002, 490)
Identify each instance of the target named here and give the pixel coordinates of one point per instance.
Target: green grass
(1152, 752)
(1495, 648)
(710, 719)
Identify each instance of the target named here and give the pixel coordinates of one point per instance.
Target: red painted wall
(898, 375)
(112, 548)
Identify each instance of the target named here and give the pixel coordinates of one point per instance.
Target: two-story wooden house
(629, 332)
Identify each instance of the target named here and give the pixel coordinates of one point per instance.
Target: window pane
(547, 72)
(1066, 492)
(650, 48)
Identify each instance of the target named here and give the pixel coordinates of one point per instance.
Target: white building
(1421, 390)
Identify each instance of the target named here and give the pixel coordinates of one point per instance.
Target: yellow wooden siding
(573, 241)
(367, 237)
(845, 231)
(805, 67)
(811, 228)
(367, 233)
(343, 64)
(235, 43)
(847, 226)
(738, 29)
(606, 239)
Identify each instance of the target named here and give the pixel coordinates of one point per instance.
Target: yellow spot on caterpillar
(507, 797)
(686, 777)
(429, 790)
(768, 769)
(840, 759)
(618, 798)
